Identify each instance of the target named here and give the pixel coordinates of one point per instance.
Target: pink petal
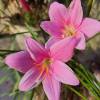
(51, 28)
(25, 5)
(20, 61)
(64, 74)
(76, 12)
(36, 51)
(63, 50)
(82, 43)
(31, 79)
(51, 41)
(90, 27)
(58, 13)
(51, 88)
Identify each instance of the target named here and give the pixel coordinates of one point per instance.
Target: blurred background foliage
(15, 23)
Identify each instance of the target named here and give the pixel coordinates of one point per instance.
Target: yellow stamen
(68, 31)
(46, 63)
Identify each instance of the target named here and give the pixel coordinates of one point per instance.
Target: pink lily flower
(46, 65)
(65, 22)
(25, 5)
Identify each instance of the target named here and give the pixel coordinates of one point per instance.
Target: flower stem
(11, 35)
(86, 79)
(89, 7)
(76, 92)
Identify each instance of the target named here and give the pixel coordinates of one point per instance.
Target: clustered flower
(46, 64)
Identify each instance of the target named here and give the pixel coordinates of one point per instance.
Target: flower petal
(90, 27)
(58, 13)
(51, 41)
(20, 61)
(51, 87)
(25, 5)
(82, 43)
(51, 28)
(36, 50)
(63, 50)
(64, 74)
(76, 12)
(31, 79)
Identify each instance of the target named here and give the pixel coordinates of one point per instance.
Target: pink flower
(69, 21)
(44, 65)
(25, 5)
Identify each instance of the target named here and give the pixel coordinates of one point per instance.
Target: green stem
(89, 6)
(8, 51)
(86, 79)
(31, 96)
(76, 92)
(3, 53)
(11, 35)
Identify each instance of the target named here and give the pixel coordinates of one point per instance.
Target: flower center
(69, 30)
(46, 64)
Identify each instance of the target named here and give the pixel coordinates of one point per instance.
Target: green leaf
(32, 31)
(77, 92)
(86, 79)
(3, 79)
(11, 35)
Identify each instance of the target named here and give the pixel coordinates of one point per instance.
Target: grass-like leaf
(86, 79)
